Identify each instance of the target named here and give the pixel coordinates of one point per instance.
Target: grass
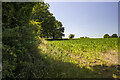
(82, 58)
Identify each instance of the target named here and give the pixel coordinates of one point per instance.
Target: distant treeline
(71, 36)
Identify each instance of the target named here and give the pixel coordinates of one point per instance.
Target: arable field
(82, 58)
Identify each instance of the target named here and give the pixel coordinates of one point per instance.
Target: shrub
(71, 36)
(81, 37)
(106, 36)
(114, 36)
(86, 37)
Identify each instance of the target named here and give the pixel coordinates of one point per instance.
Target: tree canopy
(50, 27)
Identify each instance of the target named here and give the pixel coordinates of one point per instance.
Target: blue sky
(91, 19)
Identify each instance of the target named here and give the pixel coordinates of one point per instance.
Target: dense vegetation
(23, 26)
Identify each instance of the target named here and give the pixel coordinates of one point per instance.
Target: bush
(71, 36)
(81, 37)
(106, 36)
(19, 42)
(114, 36)
(86, 37)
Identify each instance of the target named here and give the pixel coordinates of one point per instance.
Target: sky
(86, 19)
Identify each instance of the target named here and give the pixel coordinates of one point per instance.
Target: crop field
(82, 58)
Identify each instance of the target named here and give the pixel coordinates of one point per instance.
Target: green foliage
(19, 40)
(50, 27)
(86, 45)
(106, 36)
(87, 48)
(81, 37)
(114, 36)
(71, 36)
(16, 14)
(23, 26)
(86, 37)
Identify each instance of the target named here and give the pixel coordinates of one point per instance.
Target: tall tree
(60, 30)
(50, 27)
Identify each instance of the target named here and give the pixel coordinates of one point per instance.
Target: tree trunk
(53, 36)
(47, 37)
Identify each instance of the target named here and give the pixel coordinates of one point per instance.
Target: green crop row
(83, 49)
(86, 45)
